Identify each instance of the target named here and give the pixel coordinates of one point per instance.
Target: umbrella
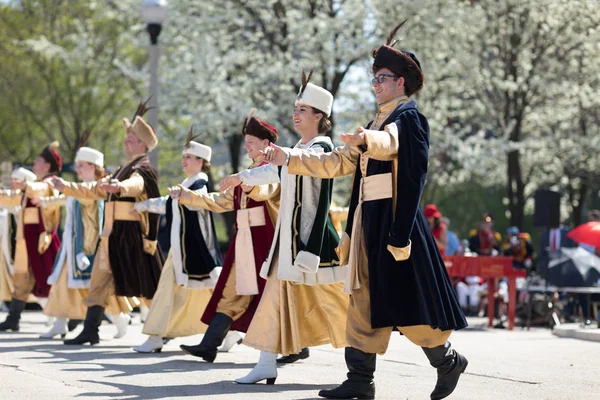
(588, 233)
(574, 267)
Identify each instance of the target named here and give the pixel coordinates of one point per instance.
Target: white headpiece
(314, 96)
(23, 174)
(90, 155)
(198, 150)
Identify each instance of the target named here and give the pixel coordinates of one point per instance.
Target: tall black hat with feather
(401, 63)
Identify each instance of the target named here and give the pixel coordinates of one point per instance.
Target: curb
(575, 331)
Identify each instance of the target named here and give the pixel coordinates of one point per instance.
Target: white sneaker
(121, 322)
(59, 328)
(144, 313)
(265, 369)
(231, 339)
(154, 343)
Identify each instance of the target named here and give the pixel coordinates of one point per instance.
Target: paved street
(502, 365)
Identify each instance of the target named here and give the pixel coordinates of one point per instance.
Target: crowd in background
(486, 241)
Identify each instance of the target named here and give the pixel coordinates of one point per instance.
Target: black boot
(14, 315)
(359, 385)
(92, 322)
(73, 324)
(294, 357)
(217, 329)
(449, 365)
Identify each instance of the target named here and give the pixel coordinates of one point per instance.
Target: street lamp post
(154, 13)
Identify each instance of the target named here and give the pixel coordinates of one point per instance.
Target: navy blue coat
(417, 291)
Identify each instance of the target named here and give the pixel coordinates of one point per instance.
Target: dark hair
(594, 215)
(324, 123)
(411, 86)
(437, 222)
(99, 171)
(205, 166)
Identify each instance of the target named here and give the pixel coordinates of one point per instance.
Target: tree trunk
(516, 190)
(579, 203)
(234, 143)
(235, 146)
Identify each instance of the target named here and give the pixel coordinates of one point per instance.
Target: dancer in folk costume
(70, 278)
(8, 229)
(127, 261)
(194, 262)
(36, 241)
(240, 287)
(397, 277)
(303, 304)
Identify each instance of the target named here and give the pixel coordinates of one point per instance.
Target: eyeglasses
(381, 78)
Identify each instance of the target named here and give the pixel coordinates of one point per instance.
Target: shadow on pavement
(134, 392)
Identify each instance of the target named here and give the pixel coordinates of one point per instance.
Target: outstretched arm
(11, 198)
(83, 190)
(157, 205)
(264, 192)
(215, 202)
(341, 161)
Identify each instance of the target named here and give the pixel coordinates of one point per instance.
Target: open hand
(56, 182)
(274, 155)
(111, 187)
(247, 188)
(354, 139)
(230, 182)
(175, 192)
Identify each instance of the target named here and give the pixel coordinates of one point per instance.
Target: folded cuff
(150, 246)
(400, 253)
(307, 262)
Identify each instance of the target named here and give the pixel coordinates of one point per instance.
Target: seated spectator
(518, 246)
(453, 247)
(468, 292)
(439, 229)
(485, 241)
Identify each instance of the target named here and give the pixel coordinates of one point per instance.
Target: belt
(119, 211)
(245, 267)
(374, 187)
(31, 216)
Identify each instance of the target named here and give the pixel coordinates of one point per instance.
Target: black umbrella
(574, 267)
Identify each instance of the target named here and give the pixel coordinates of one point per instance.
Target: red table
(489, 268)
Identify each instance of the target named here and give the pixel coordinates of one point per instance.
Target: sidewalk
(576, 331)
(503, 365)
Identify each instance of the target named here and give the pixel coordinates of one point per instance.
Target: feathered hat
(313, 95)
(402, 63)
(195, 148)
(51, 156)
(88, 154)
(141, 128)
(255, 127)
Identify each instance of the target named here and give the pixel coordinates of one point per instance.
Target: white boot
(43, 302)
(121, 322)
(231, 339)
(265, 369)
(154, 343)
(59, 328)
(144, 313)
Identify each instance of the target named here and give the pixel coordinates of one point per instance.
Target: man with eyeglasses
(396, 277)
